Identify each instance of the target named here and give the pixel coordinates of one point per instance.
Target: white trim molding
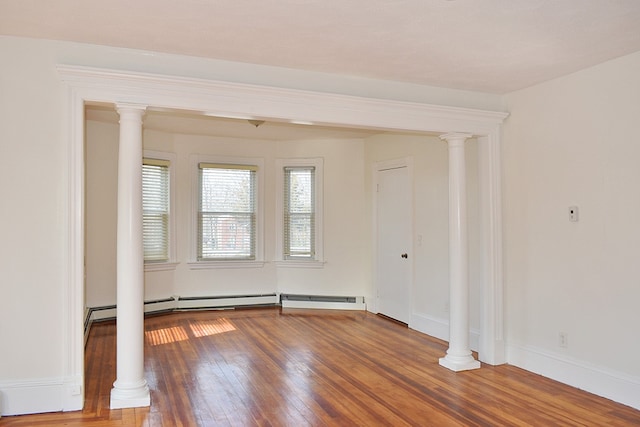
(491, 346)
(74, 296)
(237, 100)
(318, 259)
(377, 167)
(258, 262)
(299, 264)
(226, 99)
(439, 328)
(604, 382)
(171, 263)
(31, 396)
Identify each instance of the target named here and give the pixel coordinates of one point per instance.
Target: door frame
(376, 168)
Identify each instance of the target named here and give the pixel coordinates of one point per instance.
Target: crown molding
(246, 101)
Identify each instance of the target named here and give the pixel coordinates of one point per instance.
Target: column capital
(122, 107)
(453, 137)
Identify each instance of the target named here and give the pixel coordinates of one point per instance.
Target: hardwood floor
(267, 367)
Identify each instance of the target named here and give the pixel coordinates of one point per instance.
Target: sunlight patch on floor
(205, 329)
(166, 335)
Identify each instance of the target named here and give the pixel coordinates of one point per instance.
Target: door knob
(405, 256)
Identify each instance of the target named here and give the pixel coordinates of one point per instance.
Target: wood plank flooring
(272, 367)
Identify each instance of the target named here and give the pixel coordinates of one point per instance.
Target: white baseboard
(35, 396)
(600, 381)
(439, 328)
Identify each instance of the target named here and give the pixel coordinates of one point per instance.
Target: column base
(457, 363)
(130, 397)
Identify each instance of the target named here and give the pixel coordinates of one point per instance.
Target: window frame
(318, 260)
(194, 262)
(171, 262)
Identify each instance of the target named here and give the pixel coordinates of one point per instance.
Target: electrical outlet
(573, 214)
(446, 306)
(563, 339)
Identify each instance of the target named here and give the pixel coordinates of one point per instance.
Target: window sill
(299, 264)
(160, 266)
(207, 265)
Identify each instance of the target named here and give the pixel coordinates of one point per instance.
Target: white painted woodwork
(458, 356)
(130, 388)
(242, 100)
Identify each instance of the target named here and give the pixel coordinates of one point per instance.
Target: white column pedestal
(130, 388)
(458, 357)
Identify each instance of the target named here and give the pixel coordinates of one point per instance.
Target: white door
(394, 231)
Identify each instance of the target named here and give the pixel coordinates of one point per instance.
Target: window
(227, 212)
(300, 212)
(157, 218)
(156, 210)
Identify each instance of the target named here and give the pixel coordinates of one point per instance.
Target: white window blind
(155, 209)
(227, 212)
(299, 212)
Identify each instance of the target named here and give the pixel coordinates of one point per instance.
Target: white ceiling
(494, 46)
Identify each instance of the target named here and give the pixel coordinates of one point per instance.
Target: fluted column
(130, 388)
(458, 357)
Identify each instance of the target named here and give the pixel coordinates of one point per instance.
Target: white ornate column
(130, 388)
(458, 356)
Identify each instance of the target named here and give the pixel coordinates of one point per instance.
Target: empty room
(320, 213)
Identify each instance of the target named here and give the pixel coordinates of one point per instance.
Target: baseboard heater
(96, 314)
(322, 301)
(226, 302)
(108, 312)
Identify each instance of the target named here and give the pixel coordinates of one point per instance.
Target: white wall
(101, 172)
(33, 223)
(431, 221)
(574, 141)
(347, 265)
(101, 181)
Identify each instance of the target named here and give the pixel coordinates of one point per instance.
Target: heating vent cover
(317, 298)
